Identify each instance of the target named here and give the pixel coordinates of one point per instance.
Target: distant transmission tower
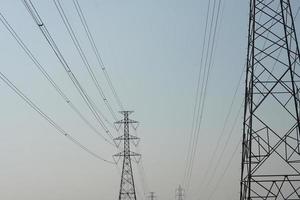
(127, 187)
(152, 196)
(270, 149)
(179, 193)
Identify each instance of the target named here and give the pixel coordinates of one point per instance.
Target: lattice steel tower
(179, 193)
(127, 187)
(270, 152)
(152, 196)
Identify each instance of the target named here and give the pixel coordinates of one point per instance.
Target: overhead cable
(91, 105)
(48, 77)
(48, 119)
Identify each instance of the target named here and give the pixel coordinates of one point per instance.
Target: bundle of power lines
(95, 111)
(210, 171)
(100, 118)
(206, 62)
(102, 121)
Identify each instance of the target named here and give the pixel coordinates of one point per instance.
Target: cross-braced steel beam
(270, 151)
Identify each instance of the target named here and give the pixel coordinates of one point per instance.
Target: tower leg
(270, 167)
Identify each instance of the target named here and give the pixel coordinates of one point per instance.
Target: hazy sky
(152, 52)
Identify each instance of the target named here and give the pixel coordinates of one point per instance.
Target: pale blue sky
(152, 52)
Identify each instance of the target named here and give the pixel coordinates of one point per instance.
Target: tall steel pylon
(152, 196)
(179, 193)
(270, 149)
(127, 187)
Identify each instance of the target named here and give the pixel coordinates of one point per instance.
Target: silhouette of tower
(152, 196)
(127, 187)
(179, 193)
(270, 167)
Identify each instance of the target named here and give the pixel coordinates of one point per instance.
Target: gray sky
(152, 52)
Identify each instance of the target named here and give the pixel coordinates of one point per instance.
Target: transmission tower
(152, 196)
(270, 149)
(179, 193)
(127, 187)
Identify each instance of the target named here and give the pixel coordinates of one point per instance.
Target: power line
(226, 143)
(96, 52)
(207, 67)
(196, 101)
(230, 133)
(48, 119)
(83, 56)
(223, 128)
(215, 188)
(142, 175)
(207, 77)
(140, 166)
(221, 156)
(197, 96)
(91, 105)
(48, 77)
(225, 123)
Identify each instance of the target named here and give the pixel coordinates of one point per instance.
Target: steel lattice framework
(270, 149)
(152, 196)
(127, 187)
(179, 193)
